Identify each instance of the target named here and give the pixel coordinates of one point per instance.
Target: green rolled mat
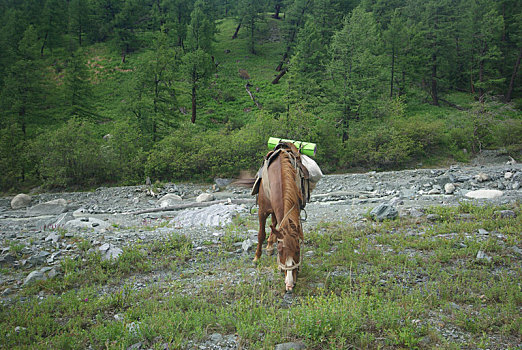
(307, 148)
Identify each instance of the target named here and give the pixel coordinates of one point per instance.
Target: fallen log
(247, 87)
(191, 205)
(283, 72)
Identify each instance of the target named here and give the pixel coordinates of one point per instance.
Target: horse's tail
(245, 182)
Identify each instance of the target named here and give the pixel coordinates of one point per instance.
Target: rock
(7, 259)
(212, 216)
(384, 212)
(20, 201)
(449, 188)
(484, 194)
(482, 256)
(505, 214)
(216, 338)
(168, 200)
(54, 207)
(481, 177)
(87, 223)
(43, 274)
(433, 217)
(39, 258)
(435, 190)
(290, 346)
(516, 185)
(508, 175)
(222, 183)
(109, 252)
(247, 244)
(205, 197)
(136, 346)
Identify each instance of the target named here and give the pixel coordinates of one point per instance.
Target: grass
(397, 284)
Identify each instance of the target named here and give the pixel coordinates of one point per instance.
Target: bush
(125, 152)
(71, 156)
(190, 153)
(11, 157)
(381, 147)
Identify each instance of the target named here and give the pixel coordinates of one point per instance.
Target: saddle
(302, 180)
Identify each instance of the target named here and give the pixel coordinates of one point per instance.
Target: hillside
(170, 95)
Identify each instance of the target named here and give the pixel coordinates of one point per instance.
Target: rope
(278, 226)
(295, 266)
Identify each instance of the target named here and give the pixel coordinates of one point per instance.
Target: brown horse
(280, 196)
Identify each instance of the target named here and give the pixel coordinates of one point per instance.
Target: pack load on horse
(283, 186)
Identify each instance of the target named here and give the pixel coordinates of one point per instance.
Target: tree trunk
(283, 72)
(513, 77)
(392, 71)
(237, 30)
(252, 42)
(43, 44)
(434, 94)
(285, 56)
(193, 119)
(277, 10)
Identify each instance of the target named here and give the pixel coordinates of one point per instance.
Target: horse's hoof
(270, 252)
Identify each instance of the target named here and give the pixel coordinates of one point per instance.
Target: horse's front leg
(272, 238)
(261, 235)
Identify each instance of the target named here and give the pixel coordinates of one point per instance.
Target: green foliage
(70, 156)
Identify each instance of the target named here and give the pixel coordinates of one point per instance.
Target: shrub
(71, 156)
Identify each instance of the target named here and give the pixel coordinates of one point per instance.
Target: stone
(205, 197)
(109, 252)
(433, 217)
(482, 256)
(484, 194)
(216, 338)
(87, 223)
(516, 185)
(43, 274)
(247, 244)
(508, 175)
(435, 190)
(39, 258)
(216, 215)
(482, 177)
(168, 200)
(290, 346)
(449, 188)
(20, 201)
(505, 214)
(384, 212)
(54, 207)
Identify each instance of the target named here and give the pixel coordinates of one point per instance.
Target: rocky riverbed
(36, 230)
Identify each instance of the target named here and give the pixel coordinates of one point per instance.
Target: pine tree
(197, 68)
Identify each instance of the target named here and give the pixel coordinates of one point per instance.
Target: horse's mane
(291, 199)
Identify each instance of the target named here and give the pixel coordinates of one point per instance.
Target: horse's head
(289, 252)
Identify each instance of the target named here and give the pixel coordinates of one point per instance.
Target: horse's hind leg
(261, 235)
(272, 238)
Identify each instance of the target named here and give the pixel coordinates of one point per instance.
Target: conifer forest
(111, 92)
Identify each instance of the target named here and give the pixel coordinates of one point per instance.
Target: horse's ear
(277, 233)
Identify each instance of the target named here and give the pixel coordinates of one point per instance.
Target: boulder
(484, 194)
(205, 197)
(54, 207)
(449, 188)
(87, 223)
(20, 201)
(169, 200)
(42, 274)
(290, 346)
(384, 212)
(482, 177)
(109, 251)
